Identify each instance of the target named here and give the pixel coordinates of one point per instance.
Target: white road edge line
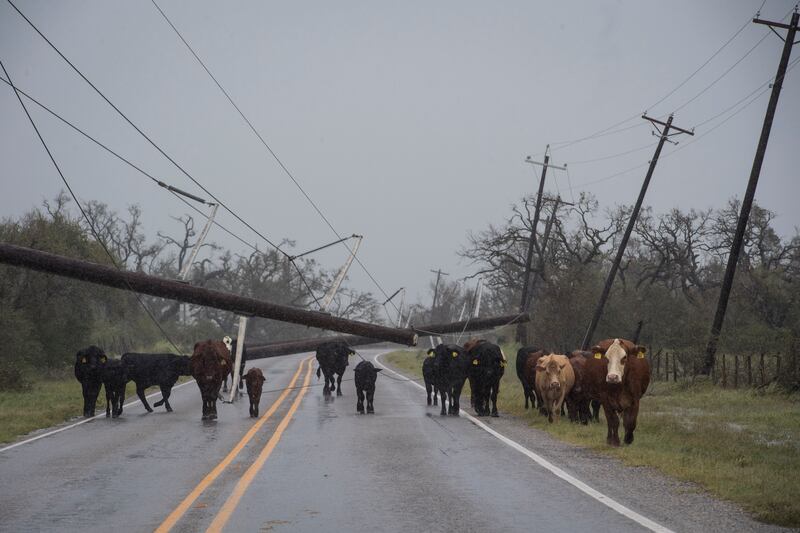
(101, 415)
(547, 465)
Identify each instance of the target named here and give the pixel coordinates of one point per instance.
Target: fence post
(735, 371)
(724, 373)
(658, 364)
(666, 366)
(674, 368)
(762, 369)
(750, 370)
(778, 366)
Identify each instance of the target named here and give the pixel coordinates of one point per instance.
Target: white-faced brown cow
(617, 376)
(554, 380)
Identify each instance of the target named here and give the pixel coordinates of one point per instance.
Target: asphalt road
(311, 463)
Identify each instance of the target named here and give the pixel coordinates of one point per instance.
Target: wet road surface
(309, 463)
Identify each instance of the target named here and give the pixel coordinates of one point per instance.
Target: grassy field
(740, 445)
(49, 402)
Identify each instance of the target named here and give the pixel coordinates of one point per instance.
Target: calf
(115, 378)
(554, 380)
(155, 369)
(89, 364)
(332, 358)
(254, 380)
(430, 378)
(210, 362)
(450, 370)
(486, 369)
(528, 385)
(366, 374)
(617, 376)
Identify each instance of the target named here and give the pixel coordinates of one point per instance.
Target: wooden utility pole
(747, 202)
(526, 281)
(543, 251)
(439, 275)
(663, 136)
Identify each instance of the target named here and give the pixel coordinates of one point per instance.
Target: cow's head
(91, 359)
(616, 354)
(551, 367)
(493, 362)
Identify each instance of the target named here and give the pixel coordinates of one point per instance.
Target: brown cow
(554, 380)
(254, 380)
(210, 363)
(578, 399)
(618, 375)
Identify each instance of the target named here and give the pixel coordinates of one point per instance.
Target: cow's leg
(443, 395)
(456, 395)
(213, 415)
(612, 438)
(629, 421)
(109, 401)
(339, 384)
(596, 410)
(526, 393)
(140, 394)
(165, 392)
(495, 392)
(360, 402)
(370, 397)
(428, 389)
(435, 395)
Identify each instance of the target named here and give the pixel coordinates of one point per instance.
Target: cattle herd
(614, 374)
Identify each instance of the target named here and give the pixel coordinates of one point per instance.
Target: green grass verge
(49, 402)
(738, 444)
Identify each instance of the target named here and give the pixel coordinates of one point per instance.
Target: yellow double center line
(186, 504)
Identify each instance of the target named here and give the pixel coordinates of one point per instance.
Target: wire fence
(756, 369)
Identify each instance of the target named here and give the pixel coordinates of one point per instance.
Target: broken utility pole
(663, 136)
(183, 292)
(747, 202)
(522, 332)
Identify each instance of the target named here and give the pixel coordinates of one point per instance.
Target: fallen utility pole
(176, 290)
(663, 136)
(526, 281)
(749, 195)
(276, 349)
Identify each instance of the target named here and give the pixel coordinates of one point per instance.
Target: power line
(80, 207)
(270, 150)
(128, 162)
(157, 147)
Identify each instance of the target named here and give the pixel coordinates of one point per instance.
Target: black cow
(366, 374)
(332, 359)
(89, 364)
(151, 369)
(450, 369)
(430, 379)
(528, 389)
(487, 367)
(115, 379)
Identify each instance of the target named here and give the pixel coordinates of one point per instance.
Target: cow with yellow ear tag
(488, 366)
(449, 374)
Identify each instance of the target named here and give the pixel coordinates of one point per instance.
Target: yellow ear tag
(640, 355)
(102, 359)
(598, 355)
(224, 362)
(83, 360)
(503, 364)
(455, 354)
(475, 362)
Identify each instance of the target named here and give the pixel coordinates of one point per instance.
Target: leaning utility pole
(663, 136)
(523, 305)
(439, 275)
(747, 202)
(543, 250)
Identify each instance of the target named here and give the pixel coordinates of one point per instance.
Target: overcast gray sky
(407, 121)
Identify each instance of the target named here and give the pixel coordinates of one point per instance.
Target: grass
(49, 402)
(740, 445)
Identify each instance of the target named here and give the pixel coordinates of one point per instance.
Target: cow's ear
(640, 351)
(539, 368)
(431, 351)
(196, 345)
(378, 369)
(597, 351)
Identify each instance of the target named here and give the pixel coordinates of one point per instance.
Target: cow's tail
(319, 371)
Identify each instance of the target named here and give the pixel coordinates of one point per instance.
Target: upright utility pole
(663, 136)
(326, 301)
(747, 202)
(526, 281)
